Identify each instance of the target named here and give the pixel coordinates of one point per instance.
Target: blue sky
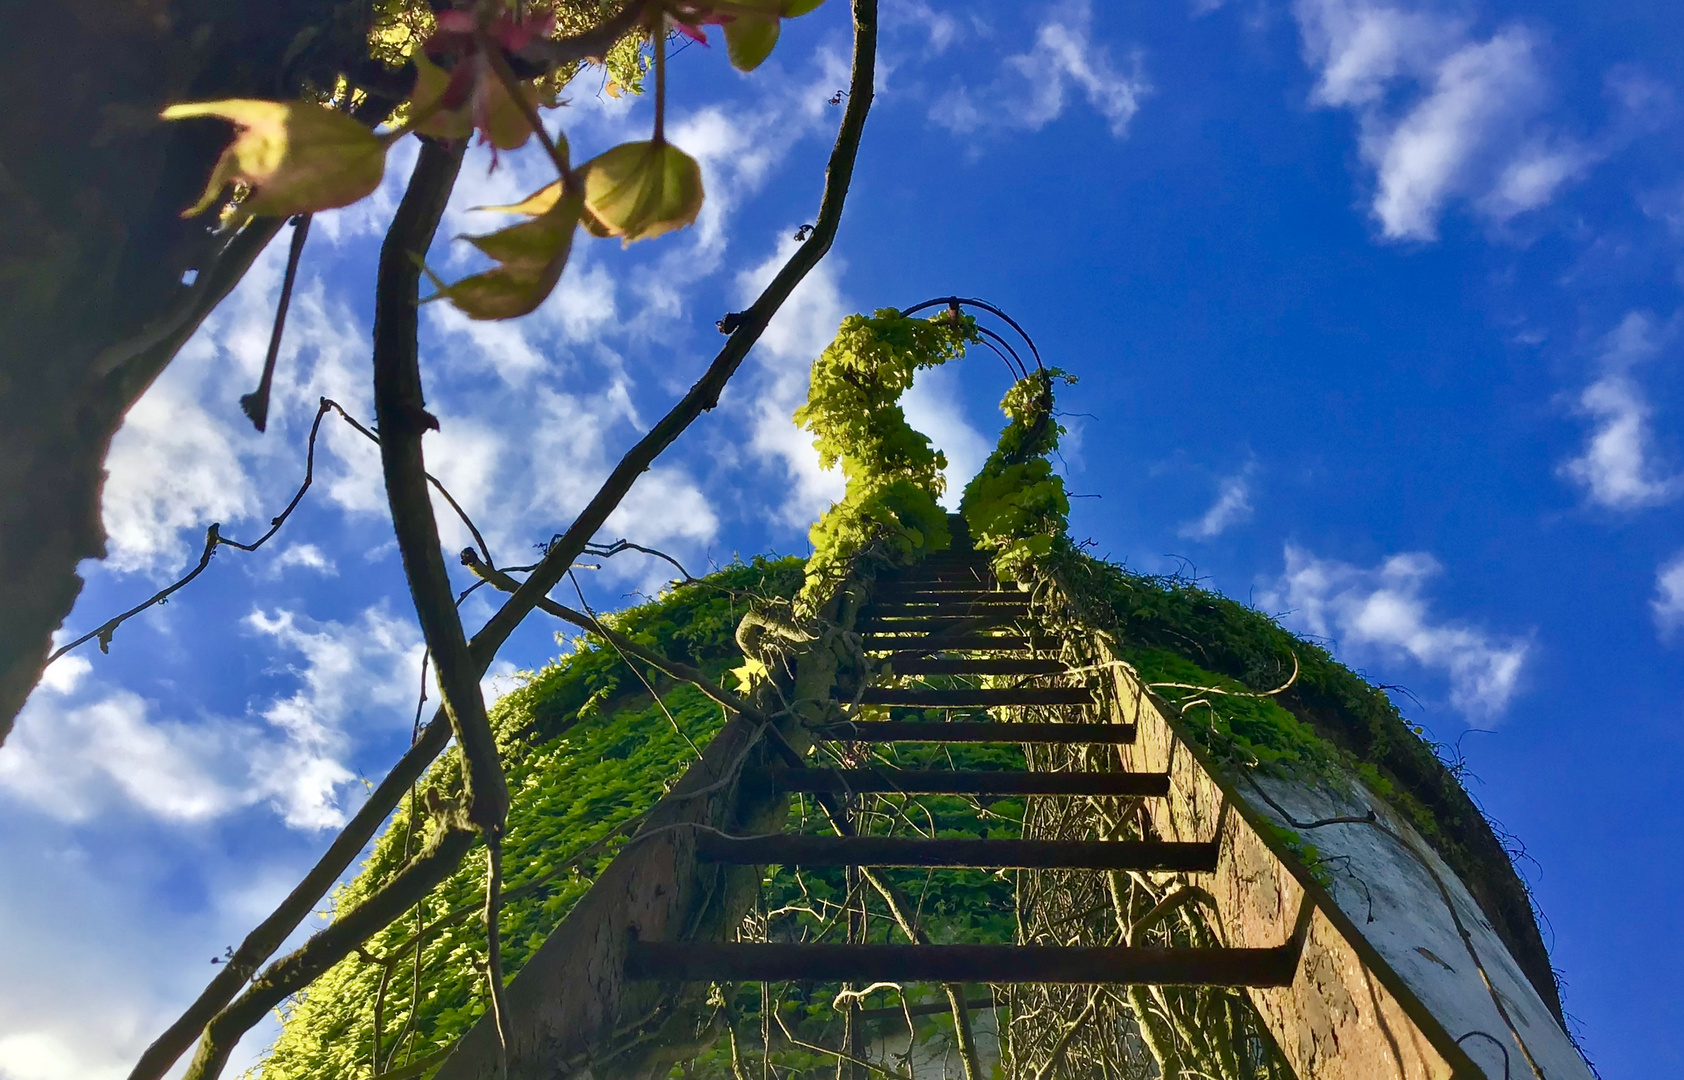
(1376, 311)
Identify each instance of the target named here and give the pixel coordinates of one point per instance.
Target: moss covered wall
(1176, 632)
(588, 750)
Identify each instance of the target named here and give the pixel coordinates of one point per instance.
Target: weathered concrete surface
(93, 248)
(1384, 987)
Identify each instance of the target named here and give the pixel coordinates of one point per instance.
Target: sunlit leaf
(502, 118)
(432, 84)
(531, 255)
(539, 202)
(640, 190)
(297, 157)
(749, 40)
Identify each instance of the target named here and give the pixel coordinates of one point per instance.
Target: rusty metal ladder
(947, 616)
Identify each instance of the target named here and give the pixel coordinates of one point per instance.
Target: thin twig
(670, 668)
(214, 538)
(256, 403)
(656, 697)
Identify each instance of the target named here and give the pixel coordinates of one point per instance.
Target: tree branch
(262, 941)
(400, 408)
(704, 395)
(344, 936)
(670, 668)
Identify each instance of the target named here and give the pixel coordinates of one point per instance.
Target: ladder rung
(797, 849)
(968, 782)
(961, 609)
(978, 696)
(902, 591)
(684, 961)
(915, 665)
(935, 624)
(948, 643)
(966, 731)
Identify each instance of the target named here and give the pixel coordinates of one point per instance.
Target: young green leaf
(297, 157)
(640, 190)
(539, 202)
(749, 39)
(532, 253)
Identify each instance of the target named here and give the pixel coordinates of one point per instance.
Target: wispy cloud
(1617, 467)
(1232, 507)
(1064, 62)
(1668, 604)
(72, 763)
(1381, 613)
(84, 748)
(305, 557)
(1443, 113)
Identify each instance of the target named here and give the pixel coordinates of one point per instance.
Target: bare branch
(704, 395)
(256, 403)
(344, 936)
(670, 668)
(213, 540)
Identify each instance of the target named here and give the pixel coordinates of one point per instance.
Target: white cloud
(372, 666)
(73, 759)
(1616, 467)
(1668, 604)
(72, 763)
(932, 407)
(1232, 507)
(665, 505)
(65, 674)
(1442, 114)
(1064, 59)
(784, 356)
(1381, 613)
(303, 556)
(941, 28)
(170, 470)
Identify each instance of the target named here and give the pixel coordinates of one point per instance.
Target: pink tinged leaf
(442, 97)
(640, 190)
(531, 255)
(694, 33)
(455, 21)
(296, 156)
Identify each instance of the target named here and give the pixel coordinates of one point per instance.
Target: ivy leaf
(640, 190)
(296, 156)
(749, 673)
(749, 39)
(532, 253)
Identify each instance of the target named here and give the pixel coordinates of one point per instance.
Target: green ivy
(893, 475)
(1016, 506)
(586, 749)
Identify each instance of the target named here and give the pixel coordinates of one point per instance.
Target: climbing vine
(587, 750)
(1016, 506)
(894, 476)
